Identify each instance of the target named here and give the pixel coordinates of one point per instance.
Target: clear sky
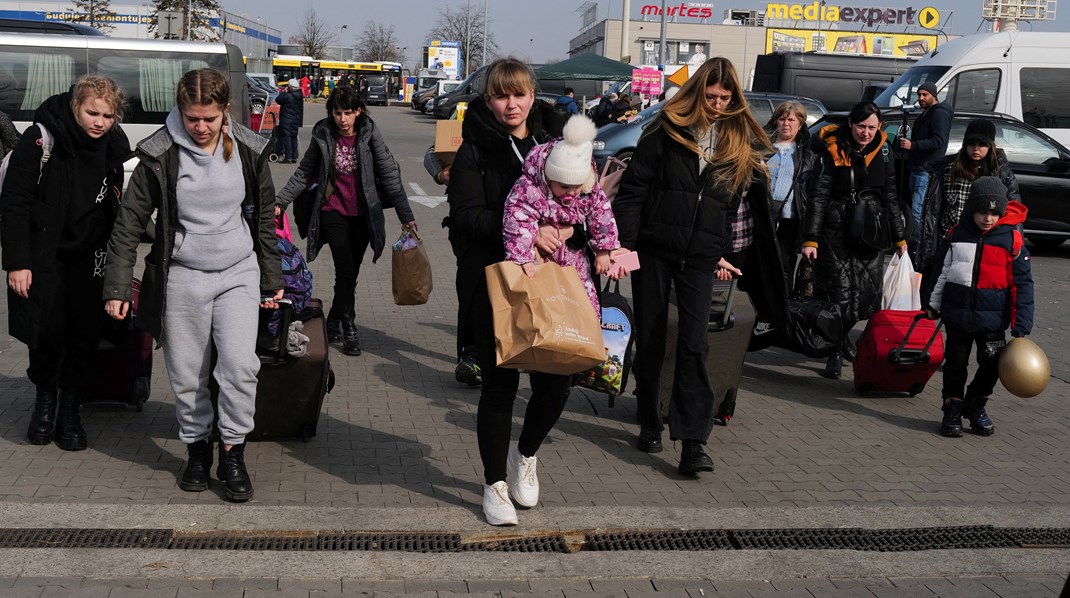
(541, 30)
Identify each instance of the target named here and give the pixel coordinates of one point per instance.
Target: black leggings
(957, 346)
(494, 417)
(348, 237)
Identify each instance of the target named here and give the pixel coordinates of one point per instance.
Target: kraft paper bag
(410, 270)
(543, 324)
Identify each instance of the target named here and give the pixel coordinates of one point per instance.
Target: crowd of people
(708, 195)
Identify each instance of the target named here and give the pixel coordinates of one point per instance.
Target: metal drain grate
(85, 538)
(1038, 536)
(887, 540)
(392, 542)
(528, 544)
(660, 540)
(244, 542)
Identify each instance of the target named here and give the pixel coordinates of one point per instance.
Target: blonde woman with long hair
(695, 193)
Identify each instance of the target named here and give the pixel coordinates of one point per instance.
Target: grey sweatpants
(205, 308)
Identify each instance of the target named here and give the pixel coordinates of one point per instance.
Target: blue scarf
(782, 173)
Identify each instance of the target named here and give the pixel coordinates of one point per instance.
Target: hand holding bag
(902, 286)
(543, 324)
(410, 270)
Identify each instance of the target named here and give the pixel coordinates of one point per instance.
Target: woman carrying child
(984, 287)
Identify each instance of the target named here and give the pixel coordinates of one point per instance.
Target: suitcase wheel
(142, 388)
(917, 388)
(862, 389)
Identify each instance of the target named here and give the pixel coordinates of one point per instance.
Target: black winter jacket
(932, 211)
(152, 188)
(378, 173)
(291, 111)
(666, 207)
(842, 275)
(33, 215)
(928, 138)
(804, 160)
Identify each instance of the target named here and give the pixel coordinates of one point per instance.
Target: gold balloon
(1023, 368)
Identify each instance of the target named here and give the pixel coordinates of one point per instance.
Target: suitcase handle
(903, 356)
(286, 313)
(726, 320)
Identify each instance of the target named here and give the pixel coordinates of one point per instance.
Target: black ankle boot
(350, 339)
(951, 424)
(43, 420)
(833, 366)
(334, 330)
(70, 435)
(237, 487)
(199, 468)
(973, 409)
(694, 459)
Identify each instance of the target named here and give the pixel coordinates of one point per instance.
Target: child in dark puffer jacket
(984, 288)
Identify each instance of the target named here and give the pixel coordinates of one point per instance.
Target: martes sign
(685, 9)
(869, 16)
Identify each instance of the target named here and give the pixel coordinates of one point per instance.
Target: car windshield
(377, 80)
(906, 86)
(259, 85)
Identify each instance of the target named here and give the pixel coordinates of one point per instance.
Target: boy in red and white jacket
(984, 288)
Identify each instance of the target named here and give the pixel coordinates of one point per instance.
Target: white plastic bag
(902, 286)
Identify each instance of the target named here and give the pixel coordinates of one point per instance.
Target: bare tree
(466, 26)
(197, 14)
(314, 34)
(95, 13)
(378, 42)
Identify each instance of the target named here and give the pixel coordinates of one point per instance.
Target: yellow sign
(679, 77)
(929, 17)
(871, 16)
(849, 42)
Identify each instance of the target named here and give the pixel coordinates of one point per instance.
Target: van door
(976, 90)
(1043, 93)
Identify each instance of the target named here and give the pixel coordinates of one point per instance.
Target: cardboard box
(447, 140)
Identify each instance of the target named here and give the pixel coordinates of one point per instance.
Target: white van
(1023, 74)
(34, 67)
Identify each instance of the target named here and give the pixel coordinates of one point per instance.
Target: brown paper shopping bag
(543, 324)
(410, 270)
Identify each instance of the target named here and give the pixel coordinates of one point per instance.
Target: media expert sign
(927, 17)
(686, 9)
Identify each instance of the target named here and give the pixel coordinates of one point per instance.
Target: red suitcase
(124, 361)
(898, 352)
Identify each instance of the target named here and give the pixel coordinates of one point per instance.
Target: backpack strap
(46, 143)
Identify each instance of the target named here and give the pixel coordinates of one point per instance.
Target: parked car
(1040, 164)
(619, 140)
(470, 88)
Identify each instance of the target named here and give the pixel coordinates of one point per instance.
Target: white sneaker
(523, 483)
(497, 507)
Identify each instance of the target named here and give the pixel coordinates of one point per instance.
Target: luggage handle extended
(903, 356)
(726, 320)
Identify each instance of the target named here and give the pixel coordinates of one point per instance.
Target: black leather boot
(833, 366)
(694, 459)
(43, 420)
(951, 423)
(70, 435)
(237, 487)
(350, 338)
(334, 330)
(199, 467)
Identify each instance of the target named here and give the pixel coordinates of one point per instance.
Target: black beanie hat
(928, 86)
(980, 130)
(987, 194)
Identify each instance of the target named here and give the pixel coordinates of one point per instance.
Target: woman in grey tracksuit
(214, 259)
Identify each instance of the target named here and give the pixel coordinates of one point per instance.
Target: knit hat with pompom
(569, 162)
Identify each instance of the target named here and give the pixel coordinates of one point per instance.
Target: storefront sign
(848, 42)
(868, 16)
(686, 9)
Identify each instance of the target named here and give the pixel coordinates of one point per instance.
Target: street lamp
(340, 30)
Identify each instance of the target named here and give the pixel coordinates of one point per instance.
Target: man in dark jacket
(291, 115)
(928, 143)
(567, 102)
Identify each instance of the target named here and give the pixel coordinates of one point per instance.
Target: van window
(150, 82)
(29, 76)
(905, 88)
(1044, 97)
(974, 90)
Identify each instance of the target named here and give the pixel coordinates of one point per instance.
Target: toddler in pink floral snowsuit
(558, 186)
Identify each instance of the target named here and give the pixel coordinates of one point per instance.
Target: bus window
(150, 81)
(30, 75)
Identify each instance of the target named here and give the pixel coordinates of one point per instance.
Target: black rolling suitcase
(731, 325)
(290, 392)
(124, 361)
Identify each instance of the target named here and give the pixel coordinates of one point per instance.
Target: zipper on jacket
(979, 253)
(691, 235)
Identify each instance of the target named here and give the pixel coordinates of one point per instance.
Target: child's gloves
(931, 313)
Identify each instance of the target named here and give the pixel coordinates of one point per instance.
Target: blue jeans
(919, 184)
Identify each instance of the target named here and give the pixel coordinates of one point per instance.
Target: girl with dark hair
(949, 187)
(56, 217)
(357, 179)
(843, 274)
(213, 260)
(695, 191)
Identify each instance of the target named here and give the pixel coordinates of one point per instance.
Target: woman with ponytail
(213, 262)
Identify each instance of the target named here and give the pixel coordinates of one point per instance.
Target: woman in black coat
(843, 274)
(57, 214)
(291, 116)
(697, 174)
(789, 172)
(356, 178)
